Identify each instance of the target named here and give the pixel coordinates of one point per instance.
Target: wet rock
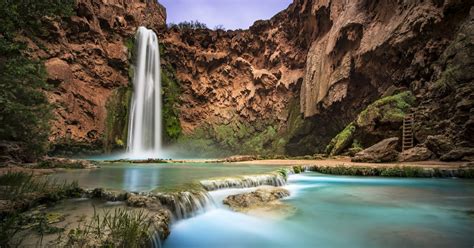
(439, 144)
(415, 154)
(100, 193)
(55, 162)
(263, 202)
(384, 151)
(161, 222)
(255, 198)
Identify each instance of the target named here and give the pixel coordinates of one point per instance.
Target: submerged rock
(384, 151)
(262, 202)
(55, 162)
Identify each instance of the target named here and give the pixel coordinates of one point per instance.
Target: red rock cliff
(86, 59)
(335, 56)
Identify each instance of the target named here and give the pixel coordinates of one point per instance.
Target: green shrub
(188, 25)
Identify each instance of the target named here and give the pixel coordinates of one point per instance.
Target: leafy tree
(188, 25)
(24, 109)
(219, 27)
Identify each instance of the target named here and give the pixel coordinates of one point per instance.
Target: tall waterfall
(144, 129)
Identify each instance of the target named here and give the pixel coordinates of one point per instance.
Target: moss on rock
(171, 91)
(387, 109)
(116, 128)
(342, 140)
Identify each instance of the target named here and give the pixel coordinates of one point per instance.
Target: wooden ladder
(407, 138)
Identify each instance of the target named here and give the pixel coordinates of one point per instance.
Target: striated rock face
(243, 75)
(368, 48)
(333, 58)
(287, 85)
(86, 60)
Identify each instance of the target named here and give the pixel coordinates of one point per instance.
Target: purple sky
(233, 14)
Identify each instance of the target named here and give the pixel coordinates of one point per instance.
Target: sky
(232, 14)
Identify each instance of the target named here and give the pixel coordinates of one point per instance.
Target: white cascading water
(144, 129)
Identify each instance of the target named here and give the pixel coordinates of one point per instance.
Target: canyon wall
(329, 59)
(86, 57)
(286, 85)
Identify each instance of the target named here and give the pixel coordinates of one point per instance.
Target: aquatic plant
(283, 172)
(395, 171)
(21, 186)
(120, 228)
(297, 169)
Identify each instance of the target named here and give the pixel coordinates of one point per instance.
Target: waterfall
(144, 129)
(273, 179)
(185, 204)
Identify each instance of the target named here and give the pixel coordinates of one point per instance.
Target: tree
(24, 109)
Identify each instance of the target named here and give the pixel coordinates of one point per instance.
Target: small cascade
(144, 128)
(274, 179)
(185, 204)
(155, 241)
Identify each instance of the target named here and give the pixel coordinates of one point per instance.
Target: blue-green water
(146, 177)
(337, 211)
(331, 211)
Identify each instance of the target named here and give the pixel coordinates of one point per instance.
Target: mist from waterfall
(144, 129)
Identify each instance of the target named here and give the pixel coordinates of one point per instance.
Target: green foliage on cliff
(261, 137)
(387, 109)
(23, 15)
(341, 141)
(390, 109)
(24, 111)
(171, 91)
(188, 25)
(116, 129)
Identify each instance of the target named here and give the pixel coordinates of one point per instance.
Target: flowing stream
(144, 129)
(326, 211)
(340, 211)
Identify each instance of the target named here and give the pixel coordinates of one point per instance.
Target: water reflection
(138, 179)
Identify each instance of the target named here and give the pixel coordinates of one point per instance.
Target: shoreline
(345, 161)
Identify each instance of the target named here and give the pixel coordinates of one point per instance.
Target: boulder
(438, 144)
(58, 71)
(459, 153)
(384, 151)
(415, 154)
